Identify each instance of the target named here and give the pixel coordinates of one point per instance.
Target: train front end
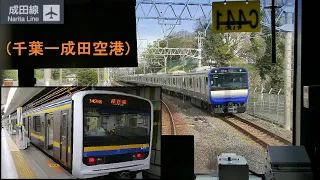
(112, 134)
(228, 90)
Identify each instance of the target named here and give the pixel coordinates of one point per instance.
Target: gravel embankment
(213, 137)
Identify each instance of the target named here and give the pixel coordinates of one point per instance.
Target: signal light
(91, 160)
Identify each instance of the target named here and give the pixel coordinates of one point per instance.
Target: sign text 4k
(236, 17)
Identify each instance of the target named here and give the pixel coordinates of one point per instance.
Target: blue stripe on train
(114, 152)
(58, 149)
(226, 100)
(34, 138)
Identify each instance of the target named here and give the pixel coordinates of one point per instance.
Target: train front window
(111, 120)
(124, 125)
(229, 81)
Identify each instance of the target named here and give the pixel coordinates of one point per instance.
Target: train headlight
(100, 160)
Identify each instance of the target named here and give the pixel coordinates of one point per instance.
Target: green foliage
(55, 73)
(273, 74)
(10, 74)
(39, 74)
(176, 68)
(86, 76)
(139, 69)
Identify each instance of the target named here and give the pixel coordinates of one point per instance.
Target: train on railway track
(93, 133)
(223, 90)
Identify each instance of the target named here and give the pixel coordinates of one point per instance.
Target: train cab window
(37, 124)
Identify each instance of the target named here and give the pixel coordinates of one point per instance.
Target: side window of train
(200, 82)
(174, 81)
(206, 80)
(36, 124)
(65, 123)
(24, 121)
(190, 82)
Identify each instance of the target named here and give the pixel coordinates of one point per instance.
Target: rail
(171, 119)
(260, 135)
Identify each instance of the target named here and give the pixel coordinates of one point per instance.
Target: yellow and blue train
(94, 133)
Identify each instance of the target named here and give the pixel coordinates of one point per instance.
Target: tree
(224, 48)
(86, 76)
(272, 74)
(38, 74)
(181, 39)
(10, 74)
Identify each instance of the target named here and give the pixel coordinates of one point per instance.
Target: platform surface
(30, 163)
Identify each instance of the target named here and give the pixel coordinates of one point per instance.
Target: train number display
(236, 17)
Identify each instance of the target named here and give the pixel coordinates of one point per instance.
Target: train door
(64, 137)
(206, 86)
(197, 84)
(49, 133)
(200, 84)
(203, 85)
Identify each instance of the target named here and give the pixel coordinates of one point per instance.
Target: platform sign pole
(21, 134)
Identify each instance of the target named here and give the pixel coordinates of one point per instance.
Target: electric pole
(288, 72)
(199, 37)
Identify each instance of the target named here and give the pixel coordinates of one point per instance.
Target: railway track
(167, 117)
(262, 136)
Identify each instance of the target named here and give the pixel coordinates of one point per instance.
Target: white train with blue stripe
(93, 133)
(224, 90)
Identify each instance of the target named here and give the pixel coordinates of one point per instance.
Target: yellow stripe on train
(37, 136)
(67, 106)
(104, 148)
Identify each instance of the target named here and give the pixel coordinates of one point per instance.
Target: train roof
(201, 69)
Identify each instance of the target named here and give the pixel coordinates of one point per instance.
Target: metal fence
(268, 104)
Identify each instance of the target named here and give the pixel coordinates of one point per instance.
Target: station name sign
(32, 12)
(65, 34)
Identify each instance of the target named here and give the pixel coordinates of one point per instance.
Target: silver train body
(93, 133)
(223, 90)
